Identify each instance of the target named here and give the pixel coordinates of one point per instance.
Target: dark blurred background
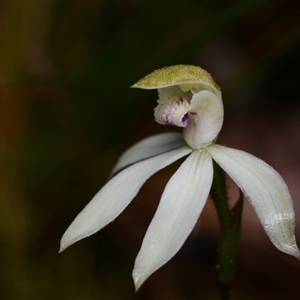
(67, 113)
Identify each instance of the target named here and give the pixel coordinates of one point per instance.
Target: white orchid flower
(188, 98)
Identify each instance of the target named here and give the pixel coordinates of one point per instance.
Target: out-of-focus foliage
(67, 112)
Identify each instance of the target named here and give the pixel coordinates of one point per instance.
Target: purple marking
(167, 119)
(179, 102)
(184, 120)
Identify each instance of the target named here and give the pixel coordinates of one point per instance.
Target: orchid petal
(148, 147)
(178, 211)
(205, 119)
(265, 190)
(113, 198)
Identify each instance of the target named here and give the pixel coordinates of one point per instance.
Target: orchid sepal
(266, 192)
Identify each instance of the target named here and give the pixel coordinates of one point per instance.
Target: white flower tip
(67, 240)
(63, 244)
(62, 247)
(297, 255)
(138, 281)
(293, 250)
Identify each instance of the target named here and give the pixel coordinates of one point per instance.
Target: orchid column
(189, 98)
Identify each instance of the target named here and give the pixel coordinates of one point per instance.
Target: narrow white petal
(178, 211)
(148, 147)
(113, 198)
(265, 190)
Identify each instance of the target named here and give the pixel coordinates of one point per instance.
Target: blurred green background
(67, 113)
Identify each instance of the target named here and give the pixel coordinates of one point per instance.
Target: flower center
(173, 106)
(199, 112)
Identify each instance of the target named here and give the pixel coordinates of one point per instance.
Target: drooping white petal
(265, 190)
(113, 198)
(205, 119)
(148, 147)
(178, 211)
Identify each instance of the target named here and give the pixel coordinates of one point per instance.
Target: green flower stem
(230, 230)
